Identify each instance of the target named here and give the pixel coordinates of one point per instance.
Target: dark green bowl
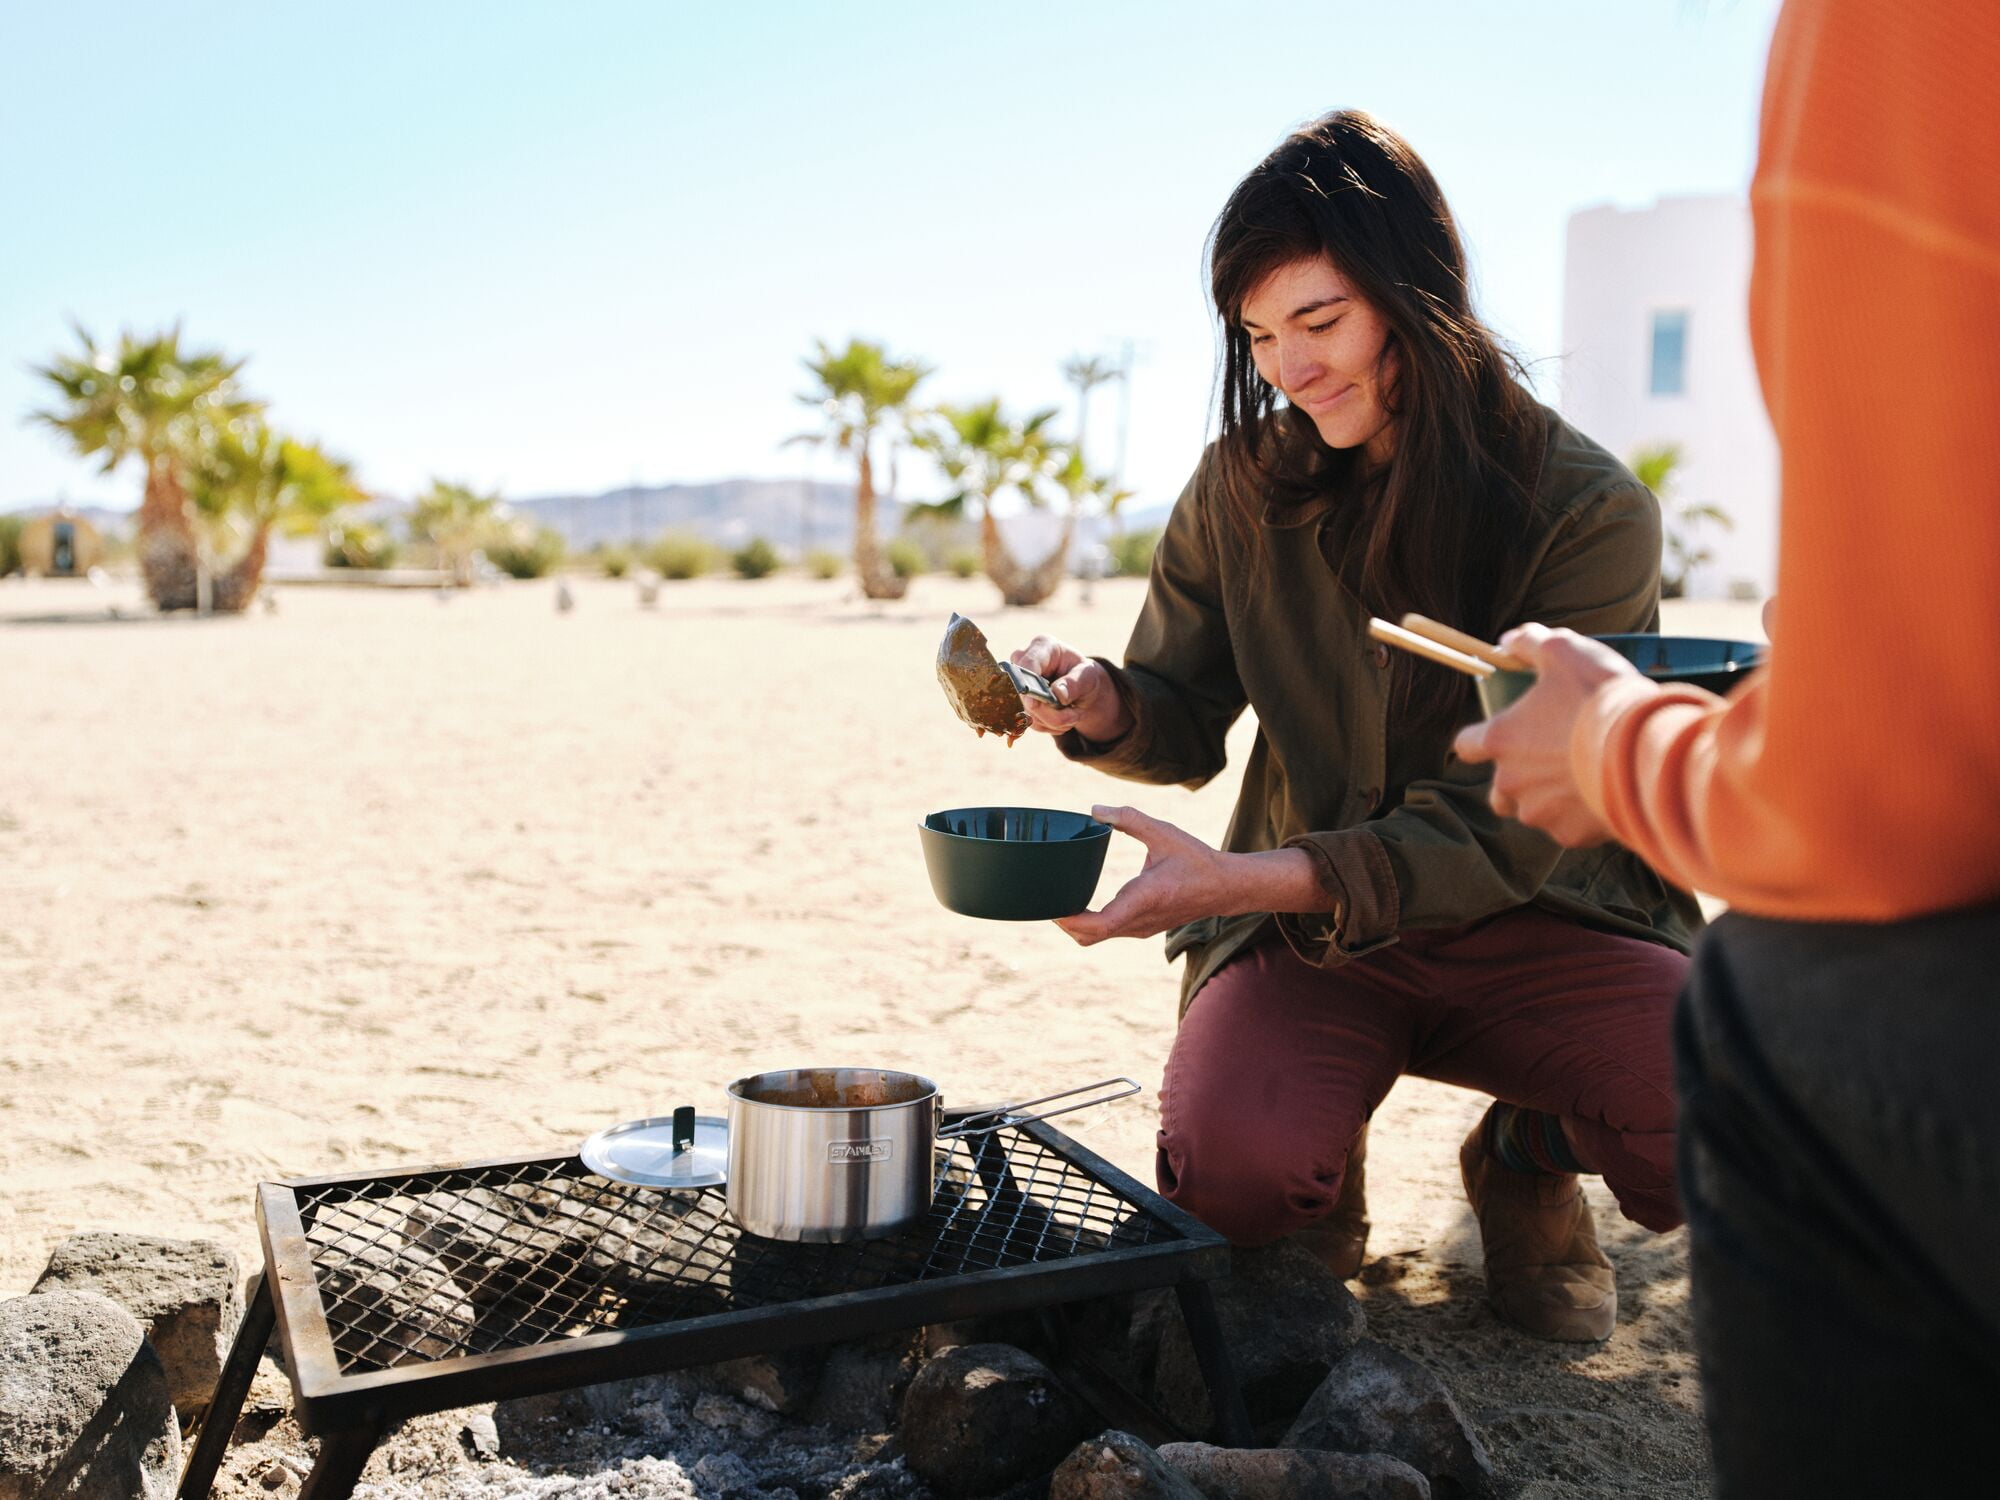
(1712, 664)
(1014, 864)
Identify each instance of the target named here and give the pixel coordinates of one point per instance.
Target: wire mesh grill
(427, 1266)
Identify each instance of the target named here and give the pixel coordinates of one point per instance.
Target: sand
(384, 879)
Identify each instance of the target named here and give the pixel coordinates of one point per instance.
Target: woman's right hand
(1091, 705)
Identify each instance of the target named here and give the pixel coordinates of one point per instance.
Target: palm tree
(457, 520)
(862, 392)
(251, 479)
(986, 453)
(1655, 468)
(1086, 372)
(150, 400)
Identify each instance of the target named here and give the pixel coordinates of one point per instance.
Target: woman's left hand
(1529, 742)
(1183, 879)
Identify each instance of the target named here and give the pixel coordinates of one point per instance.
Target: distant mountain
(795, 515)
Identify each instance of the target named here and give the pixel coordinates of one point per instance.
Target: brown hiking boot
(1340, 1240)
(1544, 1272)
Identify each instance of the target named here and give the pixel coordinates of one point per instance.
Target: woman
(1377, 453)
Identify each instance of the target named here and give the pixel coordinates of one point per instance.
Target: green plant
(525, 551)
(682, 554)
(359, 544)
(1132, 551)
(10, 544)
(963, 562)
(150, 400)
(1681, 520)
(458, 521)
(823, 564)
(616, 561)
(757, 558)
(986, 453)
(860, 392)
(905, 558)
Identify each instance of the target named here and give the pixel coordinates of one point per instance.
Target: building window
(1670, 339)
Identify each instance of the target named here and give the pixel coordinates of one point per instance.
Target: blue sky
(556, 247)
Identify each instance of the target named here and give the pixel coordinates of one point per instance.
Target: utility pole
(1125, 360)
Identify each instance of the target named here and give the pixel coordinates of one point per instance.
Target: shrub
(359, 544)
(527, 553)
(682, 554)
(1133, 551)
(10, 545)
(757, 558)
(905, 557)
(964, 563)
(615, 560)
(822, 563)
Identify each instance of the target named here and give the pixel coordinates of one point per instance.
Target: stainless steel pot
(834, 1154)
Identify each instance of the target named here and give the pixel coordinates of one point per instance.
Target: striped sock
(1527, 1140)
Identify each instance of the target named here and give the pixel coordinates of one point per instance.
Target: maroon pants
(1278, 1064)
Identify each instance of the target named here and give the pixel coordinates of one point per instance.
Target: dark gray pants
(1840, 1169)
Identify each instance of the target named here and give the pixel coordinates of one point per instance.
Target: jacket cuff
(1354, 871)
(1126, 753)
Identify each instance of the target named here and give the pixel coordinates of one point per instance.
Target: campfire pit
(419, 1291)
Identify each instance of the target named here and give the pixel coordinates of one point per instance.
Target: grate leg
(253, 1335)
(343, 1454)
(1218, 1370)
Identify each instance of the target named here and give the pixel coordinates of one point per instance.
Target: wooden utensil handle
(1417, 645)
(1458, 640)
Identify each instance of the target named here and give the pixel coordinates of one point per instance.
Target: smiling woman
(1370, 915)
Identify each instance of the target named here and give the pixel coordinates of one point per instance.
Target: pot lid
(682, 1150)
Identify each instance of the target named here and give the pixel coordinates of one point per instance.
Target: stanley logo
(845, 1153)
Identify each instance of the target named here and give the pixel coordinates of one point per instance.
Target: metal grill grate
(435, 1265)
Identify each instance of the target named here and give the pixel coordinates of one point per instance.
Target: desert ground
(386, 878)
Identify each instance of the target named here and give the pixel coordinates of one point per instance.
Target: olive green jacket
(1398, 827)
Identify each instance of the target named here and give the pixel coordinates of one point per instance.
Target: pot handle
(1003, 1115)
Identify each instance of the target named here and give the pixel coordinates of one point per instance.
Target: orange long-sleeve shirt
(1857, 777)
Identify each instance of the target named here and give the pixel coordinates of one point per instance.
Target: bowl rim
(1096, 830)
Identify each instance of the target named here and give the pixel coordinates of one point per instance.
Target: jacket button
(1381, 656)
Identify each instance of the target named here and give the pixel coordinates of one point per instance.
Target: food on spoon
(979, 691)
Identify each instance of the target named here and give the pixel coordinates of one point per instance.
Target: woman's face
(1320, 344)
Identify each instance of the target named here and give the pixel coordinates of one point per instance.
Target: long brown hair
(1443, 527)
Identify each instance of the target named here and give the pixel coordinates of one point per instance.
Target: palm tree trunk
(1019, 585)
(166, 539)
(236, 588)
(877, 582)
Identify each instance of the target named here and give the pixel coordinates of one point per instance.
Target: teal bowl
(1014, 864)
(1498, 689)
(1713, 664)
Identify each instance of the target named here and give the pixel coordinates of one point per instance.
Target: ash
(664, 1437)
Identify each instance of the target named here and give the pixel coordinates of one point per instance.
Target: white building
(1656, 349)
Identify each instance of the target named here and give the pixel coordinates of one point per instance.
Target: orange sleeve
(1857, 776)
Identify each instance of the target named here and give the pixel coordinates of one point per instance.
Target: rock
(861, 1388)
(1287, 1321)
(84, 1408)
(1294, 1474)
(981, 1416)
(1378, 1401)
(782, 1382)
(184, 1293)
(480, 1436)
(1117, 1466)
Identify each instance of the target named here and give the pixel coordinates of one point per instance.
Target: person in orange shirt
(1838, 1045)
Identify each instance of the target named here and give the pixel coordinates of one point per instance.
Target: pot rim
(736, 1097)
